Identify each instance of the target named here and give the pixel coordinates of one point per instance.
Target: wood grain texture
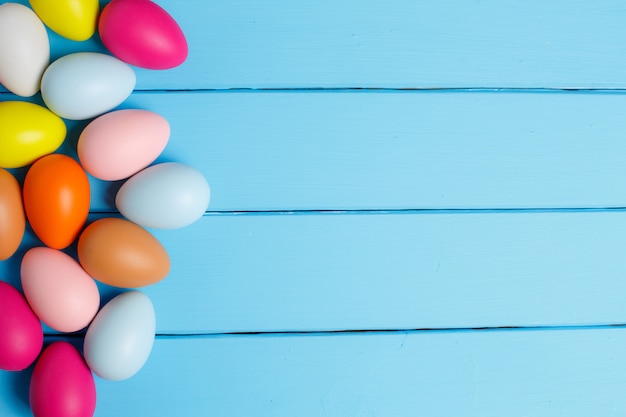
(547, 373)
(389, 271)
(393, 150)
(267, 273)
(403, 44)
(357, 195)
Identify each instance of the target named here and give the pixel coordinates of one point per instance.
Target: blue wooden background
(418, 208)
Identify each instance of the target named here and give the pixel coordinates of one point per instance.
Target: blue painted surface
(339, 271)
(357, 195)
(404, 44)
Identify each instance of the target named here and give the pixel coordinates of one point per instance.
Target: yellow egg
(29, 131)
(72, 19)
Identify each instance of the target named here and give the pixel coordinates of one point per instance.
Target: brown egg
(12, 217)
(122, 254)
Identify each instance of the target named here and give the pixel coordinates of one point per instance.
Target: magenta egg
(141, 33)
(21, 334)
(62, 384)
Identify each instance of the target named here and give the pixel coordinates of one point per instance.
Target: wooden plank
(388, 271)
(522, 373)
(405, 44)
(338, 150)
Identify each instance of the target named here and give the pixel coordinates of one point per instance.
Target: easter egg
(164, 196)
(56, 199)
(59, 291)
(24, 48)
(83, 85)
(29, 131)
(122, 254)
(119, 340)
(142, 34)
(21, 334)
(72, 19)
(118, 144)
(12, 218)
(62, 385)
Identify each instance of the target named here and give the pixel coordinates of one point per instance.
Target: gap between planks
(595, 327)
(336, 212)
(489, 90)
(296, 89)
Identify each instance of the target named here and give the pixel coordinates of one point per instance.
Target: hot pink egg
(62, 384)
(21, 335)
(141, 33)
(119, 144)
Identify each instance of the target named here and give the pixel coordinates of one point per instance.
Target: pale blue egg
(164, 196)
(119, 339)
(86, 84)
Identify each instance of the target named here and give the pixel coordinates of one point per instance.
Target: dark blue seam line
(373, 331)
(400, 211)
(563, 90)
(416, 211)
(524, 90)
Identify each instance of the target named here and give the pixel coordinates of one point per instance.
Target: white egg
(24, 49)
(120, 338)
(83, 85)
(164, 196)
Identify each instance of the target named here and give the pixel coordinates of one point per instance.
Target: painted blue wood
(393, 150)
(403, 44)
(388, 271)
(267, 273)
(475, 374)
(385, 151)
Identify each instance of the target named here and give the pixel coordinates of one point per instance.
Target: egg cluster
(54, 200)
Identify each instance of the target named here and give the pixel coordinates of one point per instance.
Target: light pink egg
(62, 384)
(119, 144)
(58, 290)
(21, 335)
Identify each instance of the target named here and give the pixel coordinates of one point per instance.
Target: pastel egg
(164, 196)
(12, 218)
(83, 85)
(56, 199)
(29, 131)
(120, 338)
(142, 34)
(122, 254)
(62, 384)
(59, 291)
(72, 19)
(21, 334)
(24, 48)
(118, 144)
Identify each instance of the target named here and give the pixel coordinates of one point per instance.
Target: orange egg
(12, 219)
(56, 199)
(120, 253)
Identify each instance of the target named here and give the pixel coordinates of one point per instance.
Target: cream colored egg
(24, 49)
